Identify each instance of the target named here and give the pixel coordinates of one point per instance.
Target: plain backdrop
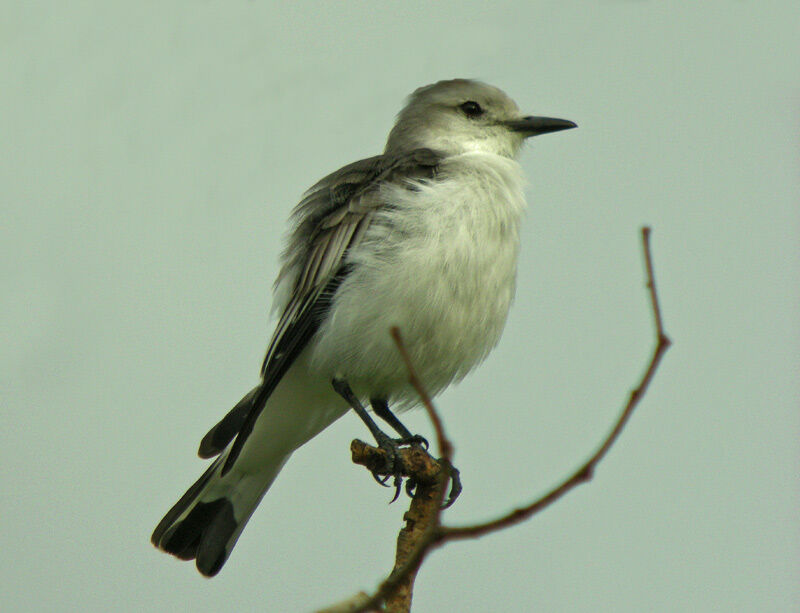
(151, 153)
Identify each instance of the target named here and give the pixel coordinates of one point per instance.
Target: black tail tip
(206, 535)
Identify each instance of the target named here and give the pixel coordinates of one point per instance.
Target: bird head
(462, 115)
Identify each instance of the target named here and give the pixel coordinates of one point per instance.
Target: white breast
(440, 264)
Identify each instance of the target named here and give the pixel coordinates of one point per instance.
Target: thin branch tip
(585, 473)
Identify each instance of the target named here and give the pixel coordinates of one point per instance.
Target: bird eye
(471, 109)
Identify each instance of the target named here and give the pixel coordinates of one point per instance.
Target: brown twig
(445, 447)
(586, 471)
(395, 590)
(651, 286)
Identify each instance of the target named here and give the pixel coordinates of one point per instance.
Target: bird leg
(385, 442)
(390, 445)
(381, 408)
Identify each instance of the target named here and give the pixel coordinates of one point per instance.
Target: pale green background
(150, 155)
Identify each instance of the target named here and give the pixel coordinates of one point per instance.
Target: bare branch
(423, 531)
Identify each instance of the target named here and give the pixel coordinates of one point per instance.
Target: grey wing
(331, 218)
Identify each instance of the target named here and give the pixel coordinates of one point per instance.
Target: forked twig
(586, 471)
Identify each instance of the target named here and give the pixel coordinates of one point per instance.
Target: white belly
(441, 267)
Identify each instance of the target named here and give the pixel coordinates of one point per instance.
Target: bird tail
(206, 522)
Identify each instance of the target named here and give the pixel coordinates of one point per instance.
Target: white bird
(423, 237)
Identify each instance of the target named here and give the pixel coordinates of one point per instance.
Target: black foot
(392, 467)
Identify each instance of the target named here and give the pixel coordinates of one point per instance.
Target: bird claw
(398, 484)
(380, 480)
(392, 468)
(455, 483)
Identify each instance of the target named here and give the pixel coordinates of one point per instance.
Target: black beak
(533, 126)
